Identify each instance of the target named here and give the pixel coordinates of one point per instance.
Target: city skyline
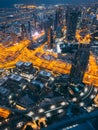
(10, 3)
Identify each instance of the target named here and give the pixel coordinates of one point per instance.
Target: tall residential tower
(71, 22)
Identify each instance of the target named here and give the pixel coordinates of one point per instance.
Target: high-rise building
(23, 31)
(80, 63)
(55, 20)
(46, 25)
(50, 38)
(59, 32)
(71, 22)
(29, 30)
(58, 18)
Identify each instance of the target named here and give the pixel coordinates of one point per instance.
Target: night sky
(9, 3)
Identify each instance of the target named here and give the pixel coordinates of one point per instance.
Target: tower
(29, 30)
(58, 18)
(80, 93)
(80, 63)
(71, 22)
(30, 37)
(23, 31)
(50, 38)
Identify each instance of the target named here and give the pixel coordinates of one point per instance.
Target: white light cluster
(95, 90)
(89, 109)
(52, 78)
(74, 99)
(36, 118)
(41, 110)
(81, 94)
(10, 96)
(52, 107)
(82, 104)
(24, 86)
(30, 114)
(6, 129)
(10, 101)
(60, 110)
(92, 96)
(70, 127)
(20, 124)
(63, 103)
(86, 89)
(6, 120)
(48, 114)
(35, 34)
(0, 123)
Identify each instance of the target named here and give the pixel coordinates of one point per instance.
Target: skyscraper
(29, 30)
(80, 63)
(71, 22)
(23, 31)
(58, 18)
(50, 38)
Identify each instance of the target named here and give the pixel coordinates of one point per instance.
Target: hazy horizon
(9, 3)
